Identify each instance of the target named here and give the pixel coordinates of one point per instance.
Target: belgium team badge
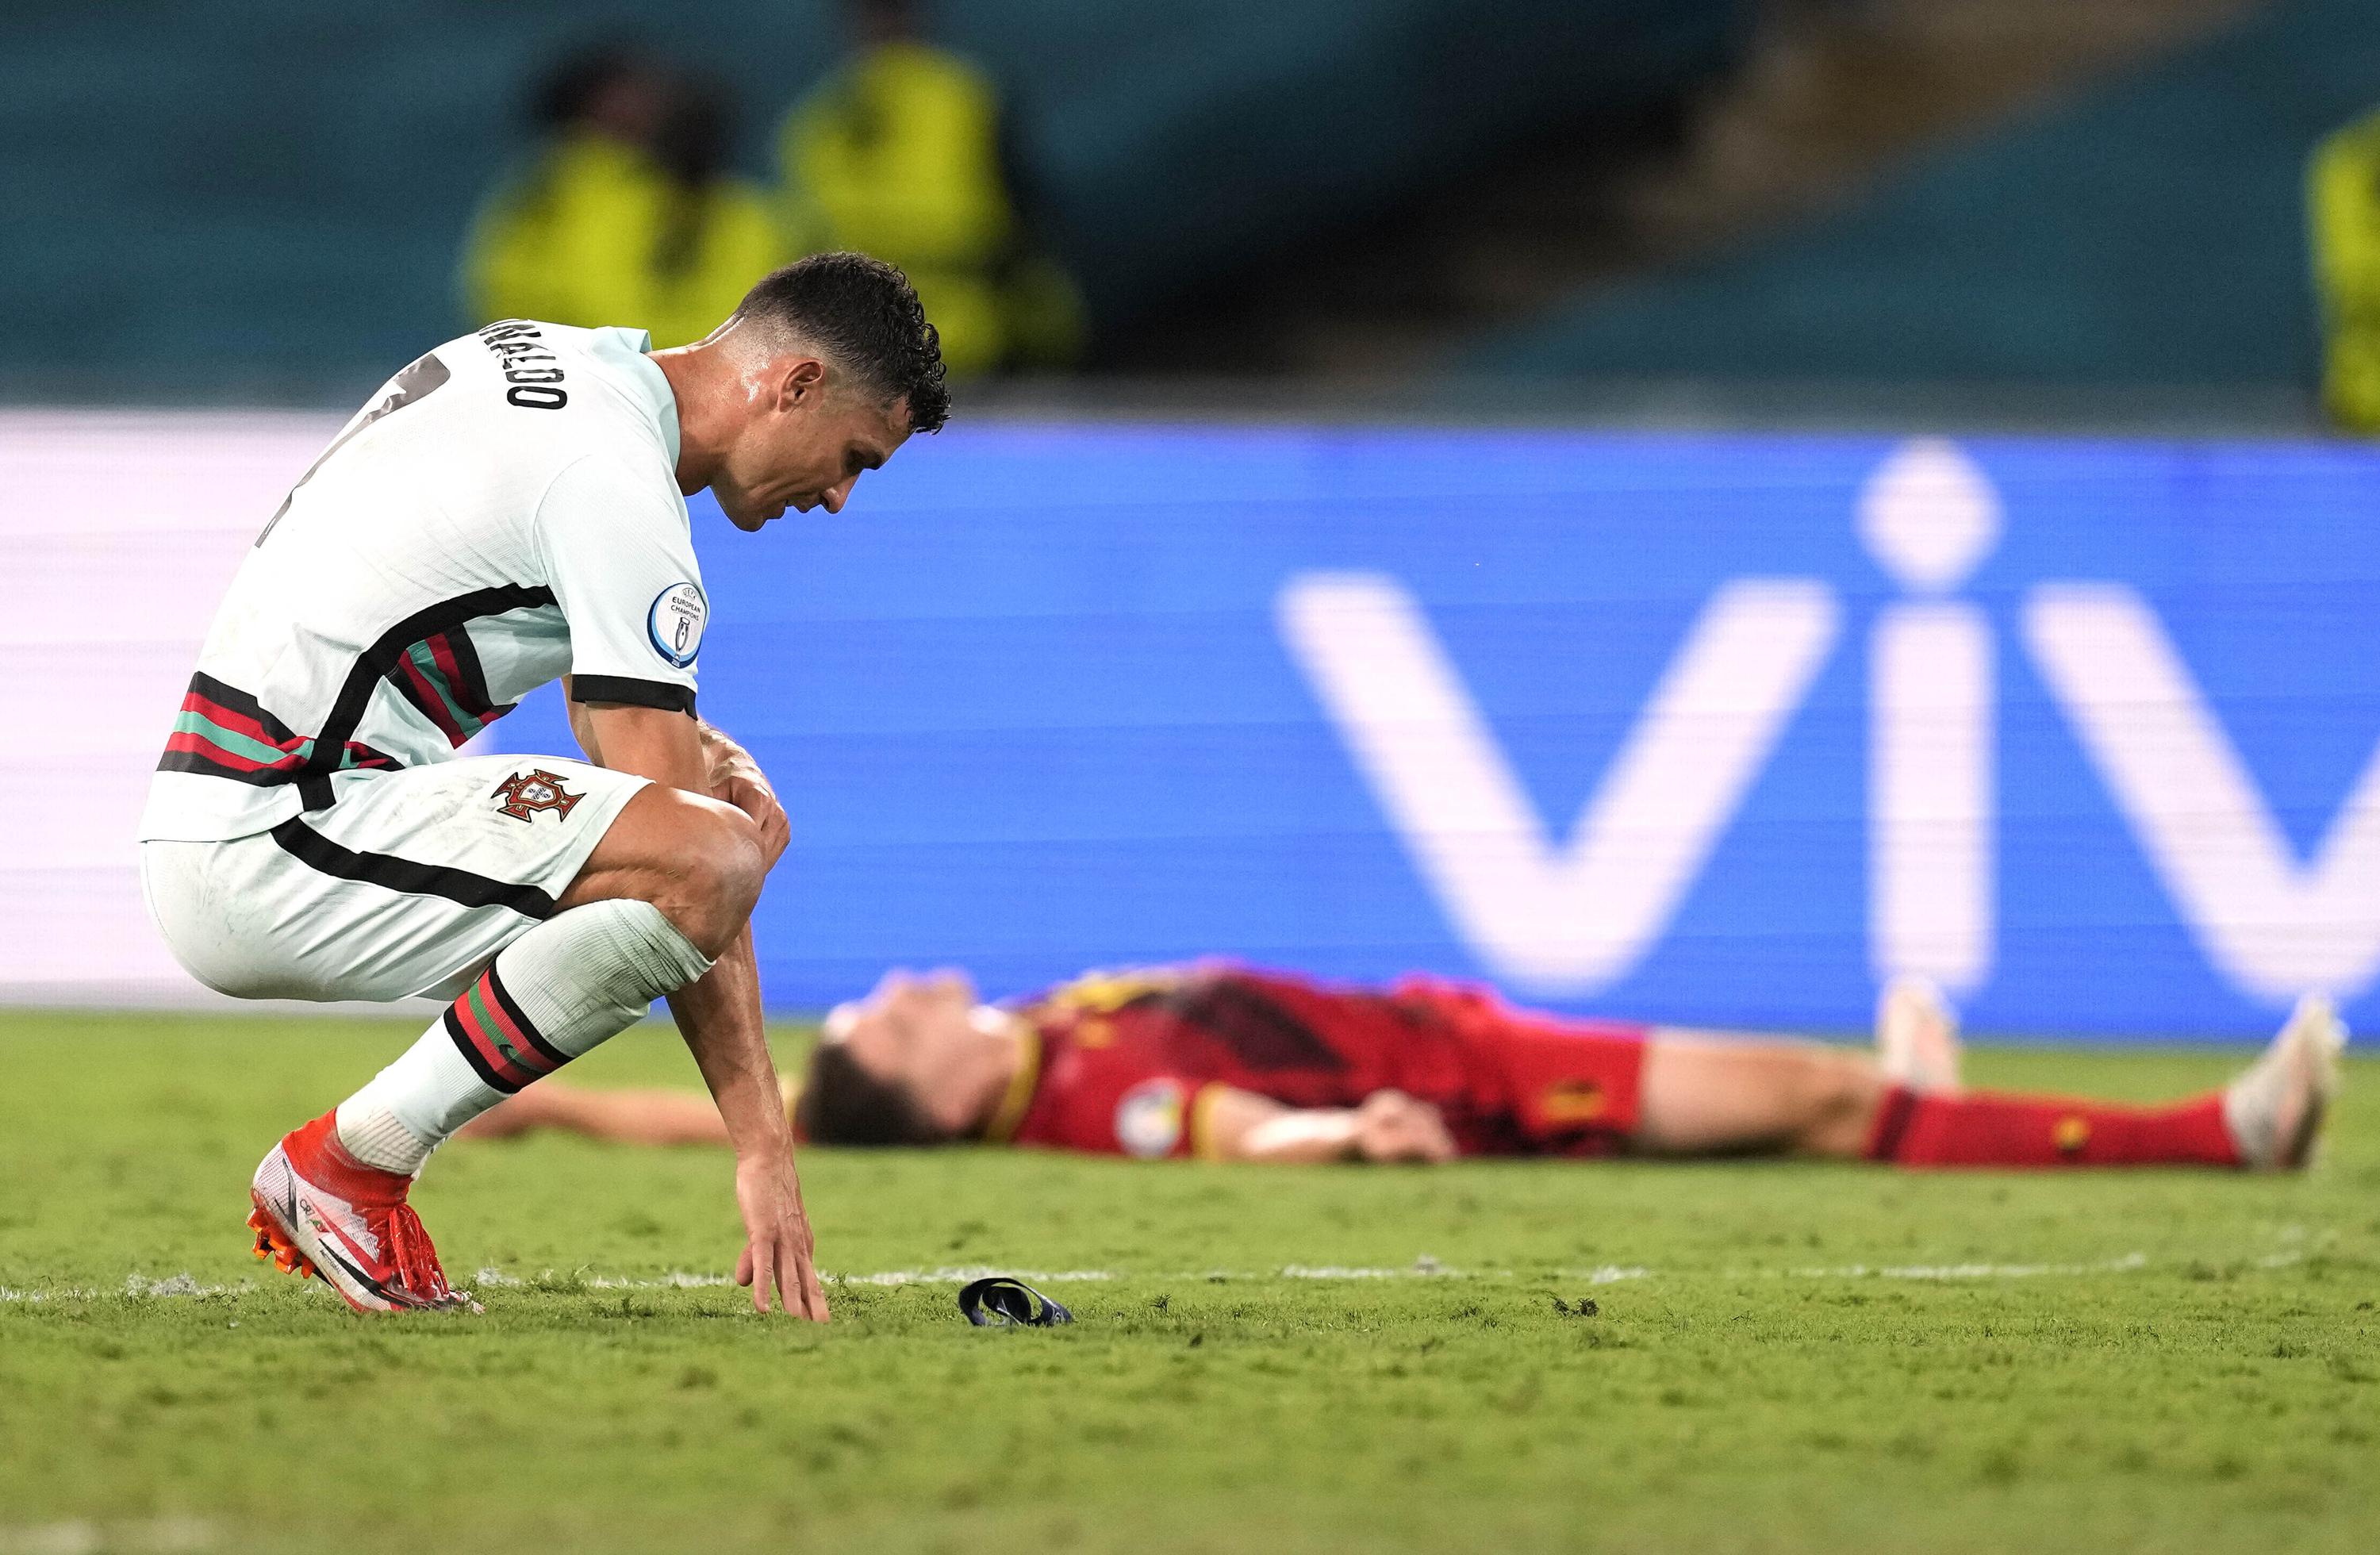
(1572, 1102)
(525, 793)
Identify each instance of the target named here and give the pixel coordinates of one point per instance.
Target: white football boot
(320, 1211)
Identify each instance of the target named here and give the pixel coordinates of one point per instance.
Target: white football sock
(572, 982)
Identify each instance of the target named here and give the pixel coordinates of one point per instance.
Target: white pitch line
(2124, 1265)
(135, 1286)
(186, 1286)
(165, 1536)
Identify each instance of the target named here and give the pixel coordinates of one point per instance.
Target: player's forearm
(719, 1016)
(723, 758)
(1241, 1125)
(652, 743)
(1300, 1136)
(1390, 1125)
(582, 723)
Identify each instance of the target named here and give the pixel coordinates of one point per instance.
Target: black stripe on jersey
(469, 687)
(632, 693)
(374, 663)
(474, 688)
(401, 684)
(317, 852)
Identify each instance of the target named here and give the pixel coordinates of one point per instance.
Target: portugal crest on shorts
(525, 793)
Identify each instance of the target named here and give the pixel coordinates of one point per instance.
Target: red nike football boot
(321, 1211)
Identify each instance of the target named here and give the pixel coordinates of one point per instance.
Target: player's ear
(801, 380)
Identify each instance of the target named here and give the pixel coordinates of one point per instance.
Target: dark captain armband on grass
(1003, 1302)
(626, 692)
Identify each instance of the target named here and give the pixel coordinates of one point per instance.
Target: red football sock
(1982, 1128)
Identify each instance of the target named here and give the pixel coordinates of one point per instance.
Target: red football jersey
(1119, 1062)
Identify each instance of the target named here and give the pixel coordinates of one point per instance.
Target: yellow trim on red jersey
(1203, 1144)
(1010, 1115)
(1105, 993)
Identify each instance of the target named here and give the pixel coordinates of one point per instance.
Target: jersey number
(425, 374)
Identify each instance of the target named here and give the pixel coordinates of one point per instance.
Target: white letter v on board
(2276, 927)
(1559, 917)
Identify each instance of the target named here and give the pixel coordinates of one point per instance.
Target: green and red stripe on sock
(497, 1040)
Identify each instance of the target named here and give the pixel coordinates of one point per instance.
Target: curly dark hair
(864, 313)
(840, 1103)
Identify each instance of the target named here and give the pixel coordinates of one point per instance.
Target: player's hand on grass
(1392, 1126)
(778, 1248)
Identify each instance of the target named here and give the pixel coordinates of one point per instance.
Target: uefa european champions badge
(1149, 1119)
(676, 623)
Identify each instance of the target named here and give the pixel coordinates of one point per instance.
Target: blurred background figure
(625, 212)
(904, 152)
(2343, 198)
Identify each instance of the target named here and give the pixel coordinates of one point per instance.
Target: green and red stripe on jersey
(384, 660)
(221, 731)
(441, 676)
(496, 1040)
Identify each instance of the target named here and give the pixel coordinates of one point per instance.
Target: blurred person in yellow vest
(626, 214)
(902, 154)
(2343, 199)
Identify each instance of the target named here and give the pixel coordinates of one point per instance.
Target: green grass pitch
(1776, 1358)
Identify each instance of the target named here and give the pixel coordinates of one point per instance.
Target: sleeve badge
(676, 621)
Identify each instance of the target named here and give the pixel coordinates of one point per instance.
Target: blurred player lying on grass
(1227, 1064)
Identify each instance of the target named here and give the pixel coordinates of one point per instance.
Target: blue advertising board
(1711, 730)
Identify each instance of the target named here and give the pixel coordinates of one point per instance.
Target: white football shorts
(409, 886)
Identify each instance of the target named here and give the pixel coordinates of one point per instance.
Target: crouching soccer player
(1227, 1064)
(510, 510)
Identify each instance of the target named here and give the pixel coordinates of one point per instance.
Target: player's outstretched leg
(331, 1196)
(1917, 1037)
(2267, 1120)
(1701, 1095)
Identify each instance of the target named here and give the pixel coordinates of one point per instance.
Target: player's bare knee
(742, 867)
(1838, 1092)
(701, 862)
(717, 878)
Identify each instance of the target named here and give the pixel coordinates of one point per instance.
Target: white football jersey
(506, 511)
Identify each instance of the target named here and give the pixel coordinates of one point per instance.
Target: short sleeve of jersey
(621, 564)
